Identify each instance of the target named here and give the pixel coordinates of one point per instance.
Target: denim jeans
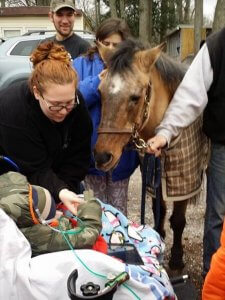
(215, 204)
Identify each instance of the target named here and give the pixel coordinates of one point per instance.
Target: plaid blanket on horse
(184, 163)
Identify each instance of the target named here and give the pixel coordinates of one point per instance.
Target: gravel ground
(192, 235)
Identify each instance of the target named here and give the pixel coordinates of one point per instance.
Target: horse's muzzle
(102, 159)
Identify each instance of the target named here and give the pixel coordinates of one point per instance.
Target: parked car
(14, 55)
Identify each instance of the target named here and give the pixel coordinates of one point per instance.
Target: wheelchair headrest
(6, 165)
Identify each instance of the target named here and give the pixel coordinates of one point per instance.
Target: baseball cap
(58, 4)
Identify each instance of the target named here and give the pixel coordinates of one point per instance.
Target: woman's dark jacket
(52, 155)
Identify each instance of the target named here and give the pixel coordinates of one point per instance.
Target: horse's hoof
(173, 273)
(176, 265)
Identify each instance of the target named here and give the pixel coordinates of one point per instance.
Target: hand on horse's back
(155, 144)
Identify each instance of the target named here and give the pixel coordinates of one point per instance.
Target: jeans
(215, 204)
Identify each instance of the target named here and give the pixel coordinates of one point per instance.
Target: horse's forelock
(122, 59)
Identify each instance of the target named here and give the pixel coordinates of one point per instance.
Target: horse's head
(126, 94)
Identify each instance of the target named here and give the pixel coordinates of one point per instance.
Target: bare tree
(89, 9)
(187, 11)
(2, 2)
(163, 19)
(198, 24)
(179, 11)
(145, 20)
(122, 9)
(43, 2)
(219, 16)
(14, 3)
(112, 4)
(97, 13)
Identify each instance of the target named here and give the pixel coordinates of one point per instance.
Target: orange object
(214, 285)
(100, 245)
(35, 220)
(54, 223)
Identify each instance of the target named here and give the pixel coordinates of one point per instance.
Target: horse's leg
(160, 227)
(177, 222)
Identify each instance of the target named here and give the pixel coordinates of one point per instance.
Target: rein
(135, 128)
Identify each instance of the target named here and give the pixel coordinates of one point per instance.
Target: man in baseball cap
(62, 14)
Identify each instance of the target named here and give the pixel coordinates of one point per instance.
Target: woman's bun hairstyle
(51, 64)
(50, 50)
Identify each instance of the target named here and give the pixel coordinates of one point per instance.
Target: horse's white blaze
(116, 84)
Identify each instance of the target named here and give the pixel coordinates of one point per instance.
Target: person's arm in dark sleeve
(77, 156)
(26, 148)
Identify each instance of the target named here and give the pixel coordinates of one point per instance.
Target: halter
(136, 127)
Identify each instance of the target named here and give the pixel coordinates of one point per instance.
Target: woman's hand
(155, 144)
(70, 200)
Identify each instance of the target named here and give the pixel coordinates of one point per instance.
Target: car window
(90, 41)
(24, 48)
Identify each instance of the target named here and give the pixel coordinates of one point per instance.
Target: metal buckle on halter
(139, 143)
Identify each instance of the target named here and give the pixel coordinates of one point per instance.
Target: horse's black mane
(121, 60)
(170, 71)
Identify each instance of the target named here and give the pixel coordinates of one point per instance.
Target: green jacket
(14, 200)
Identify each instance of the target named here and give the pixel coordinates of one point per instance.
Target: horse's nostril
(102, 157)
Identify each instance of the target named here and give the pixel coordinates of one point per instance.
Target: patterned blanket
(117, 229)
(45, 276)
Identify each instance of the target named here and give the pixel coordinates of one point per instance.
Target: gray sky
(209, 8)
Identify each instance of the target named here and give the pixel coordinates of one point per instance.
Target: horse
(136, 89)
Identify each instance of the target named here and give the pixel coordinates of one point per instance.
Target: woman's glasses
(68, 106)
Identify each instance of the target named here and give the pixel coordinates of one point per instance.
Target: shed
(180, 41)
(16, 21)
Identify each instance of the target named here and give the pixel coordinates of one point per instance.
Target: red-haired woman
(45, 127)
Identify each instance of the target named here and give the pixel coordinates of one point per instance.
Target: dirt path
(192, 236)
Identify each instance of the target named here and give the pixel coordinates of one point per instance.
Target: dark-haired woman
(45, 127)
(110, 187)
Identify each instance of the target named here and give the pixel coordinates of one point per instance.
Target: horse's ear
(105, 52)
(147, 58)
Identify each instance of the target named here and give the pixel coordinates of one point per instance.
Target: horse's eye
(134, 98)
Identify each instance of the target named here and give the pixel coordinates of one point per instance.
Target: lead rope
(151, 176)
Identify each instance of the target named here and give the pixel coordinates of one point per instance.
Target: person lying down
(34, 211)
(98, 226)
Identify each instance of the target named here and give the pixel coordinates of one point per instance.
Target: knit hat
(43, 200)
(58, 4)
